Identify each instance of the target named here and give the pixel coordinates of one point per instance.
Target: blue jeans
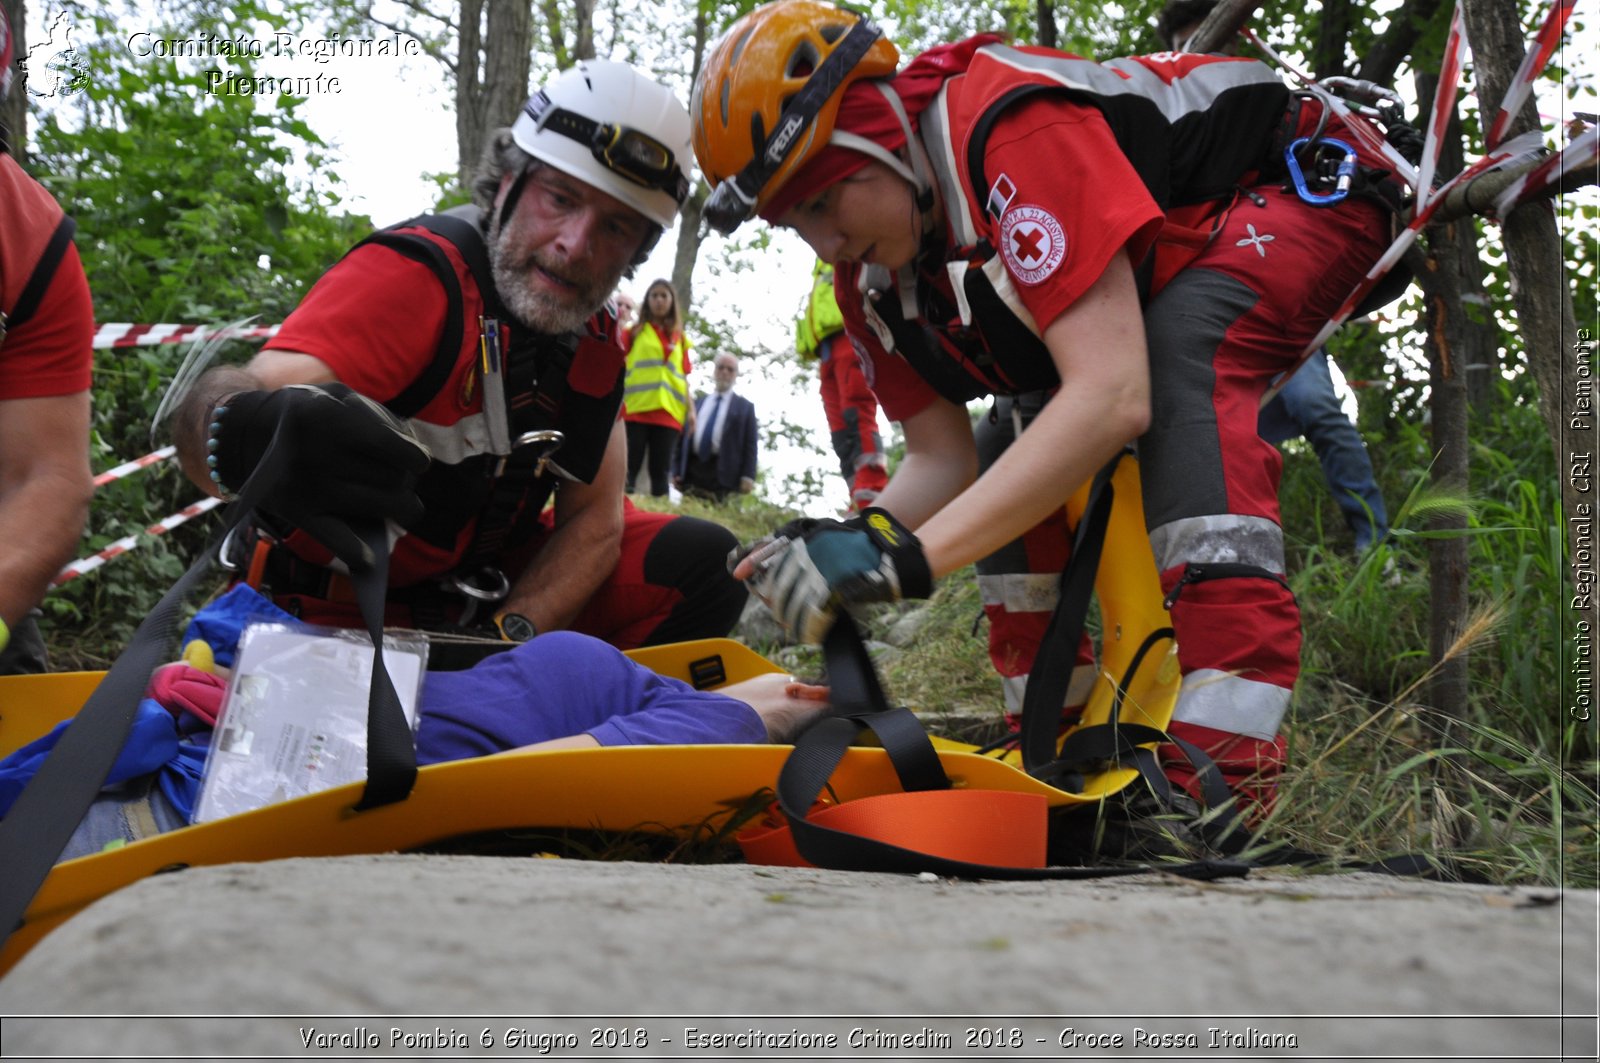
(1308, 407)
(137, 809)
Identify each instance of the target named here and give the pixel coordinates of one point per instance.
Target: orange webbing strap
(975, 826)
(913, 833)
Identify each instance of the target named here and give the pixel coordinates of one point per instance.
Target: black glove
(809, 568)
(348, 459)
(1407, 140)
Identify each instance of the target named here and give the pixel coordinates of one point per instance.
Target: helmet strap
(514, 193)
(916, 173)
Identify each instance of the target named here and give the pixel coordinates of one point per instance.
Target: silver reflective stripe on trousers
(1021, 592)
(1014, 687)
(1223, 538)
(1232, 703)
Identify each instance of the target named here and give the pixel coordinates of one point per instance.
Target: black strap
(425, 252)
(1051, 675)
(50, 807)
(507, 517)
(43, 272)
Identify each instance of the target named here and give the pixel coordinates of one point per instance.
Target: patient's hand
(786, 706)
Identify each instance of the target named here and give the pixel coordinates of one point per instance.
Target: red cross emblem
(1032, 243)
(1027, 243)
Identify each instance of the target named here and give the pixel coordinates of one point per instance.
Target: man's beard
(541, 310)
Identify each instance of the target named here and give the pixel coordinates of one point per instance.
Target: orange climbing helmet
(765, 102)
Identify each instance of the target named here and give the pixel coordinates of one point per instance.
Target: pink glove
(181, 687)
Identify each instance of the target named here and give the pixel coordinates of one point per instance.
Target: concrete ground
(310, 958)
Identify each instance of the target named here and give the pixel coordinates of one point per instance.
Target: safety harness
(549, 415)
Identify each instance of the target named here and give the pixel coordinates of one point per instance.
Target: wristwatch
(514, 627)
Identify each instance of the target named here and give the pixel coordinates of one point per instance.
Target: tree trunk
(14, 111)
(691, 231)
(470, 121)
(583, 30)
(493, 61)
(691, 228)
(507, 61)
(1449, 244)
(1447, 558)
(1479, 354)
(1222, 25)
(1045, 18)
(1543, 303)
(1333, 30)
(557, 38)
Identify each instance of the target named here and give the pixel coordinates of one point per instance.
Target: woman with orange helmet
(1004, 219)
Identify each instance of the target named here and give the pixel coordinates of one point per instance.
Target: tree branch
(416, 7)
(1389, 51)
(431, 50)
(1477, 195)
(1222, 25)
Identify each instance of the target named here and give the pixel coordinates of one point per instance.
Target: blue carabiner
(1344, 176)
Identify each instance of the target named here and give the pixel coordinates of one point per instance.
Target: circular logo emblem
(1032, 243)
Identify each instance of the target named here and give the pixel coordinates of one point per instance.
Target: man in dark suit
(719, 457)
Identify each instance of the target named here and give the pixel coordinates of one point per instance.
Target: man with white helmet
(485, 334)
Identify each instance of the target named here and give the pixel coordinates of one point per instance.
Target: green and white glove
(808, 569)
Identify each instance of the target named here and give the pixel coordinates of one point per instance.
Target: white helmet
(609, 126)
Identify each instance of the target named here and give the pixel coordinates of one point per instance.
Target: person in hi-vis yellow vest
(656, 388)
(851, 407)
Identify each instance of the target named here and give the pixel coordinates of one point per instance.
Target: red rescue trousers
(852, 412)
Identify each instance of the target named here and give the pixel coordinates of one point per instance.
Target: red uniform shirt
(374, 319)
(51, 353)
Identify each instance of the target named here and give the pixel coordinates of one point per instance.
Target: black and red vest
(1194, 128)
(571, 383)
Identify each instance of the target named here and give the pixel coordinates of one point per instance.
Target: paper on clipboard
(295, 719)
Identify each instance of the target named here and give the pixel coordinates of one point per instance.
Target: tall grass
(1501, 781)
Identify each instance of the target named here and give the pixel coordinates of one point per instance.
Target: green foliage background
(188, 211)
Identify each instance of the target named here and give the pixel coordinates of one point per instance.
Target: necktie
(708, 422)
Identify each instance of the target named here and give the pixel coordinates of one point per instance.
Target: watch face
(517, 627)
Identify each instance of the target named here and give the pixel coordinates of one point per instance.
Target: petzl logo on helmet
(880, 524)
(778, 146)
(1032, 243)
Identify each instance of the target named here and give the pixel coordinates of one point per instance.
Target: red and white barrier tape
(1583, 151)
(128, 468)
(1533, 64)
(121, 334)
(129, 542)
(1444, 106)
